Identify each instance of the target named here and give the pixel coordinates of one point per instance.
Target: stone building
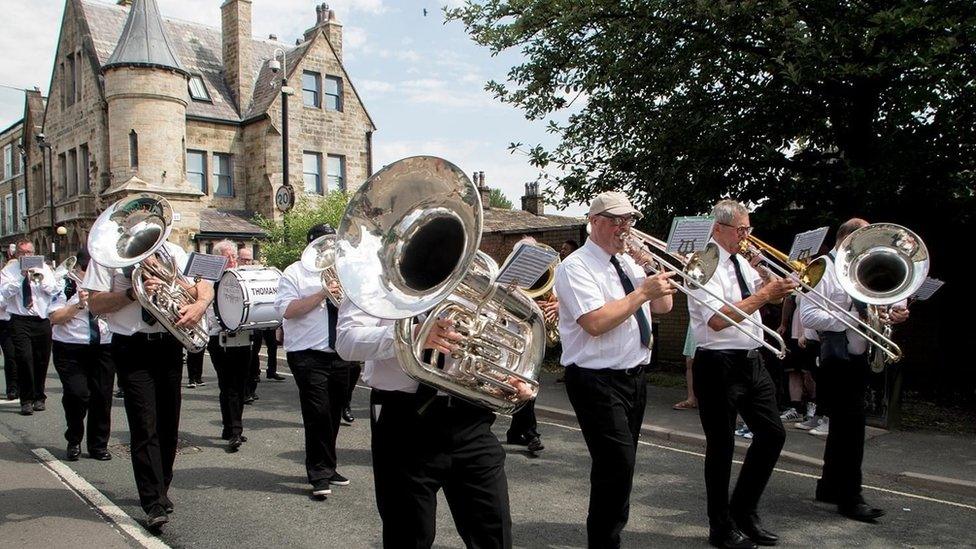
(139, 102)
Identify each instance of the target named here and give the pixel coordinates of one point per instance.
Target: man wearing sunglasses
(605, 306)
(729, 378)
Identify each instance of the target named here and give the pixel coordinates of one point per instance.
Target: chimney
(483, 190)
(124, 3)
(235, 27)
(532, 202)
(325, 20)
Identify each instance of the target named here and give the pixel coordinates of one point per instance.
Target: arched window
(133, 149)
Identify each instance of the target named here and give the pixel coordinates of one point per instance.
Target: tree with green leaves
(287, 236)
(497, 199)
(812, 111)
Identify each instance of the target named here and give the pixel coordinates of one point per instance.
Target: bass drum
(245, 298)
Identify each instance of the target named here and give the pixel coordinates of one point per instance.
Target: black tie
(642, 324)
(147, 317)
(333, 320)
(25, 289)
(743, 287)
(94, 335)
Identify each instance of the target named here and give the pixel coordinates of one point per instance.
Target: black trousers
(150, 368)
(268, 337)
(840, 392)
(87, 374)
(727, 382)
(450, 446)
(355, 369)
(322, 380)
(194, 366)
(232, 375)
(609, 406)
(524, 426)
(31, 338)
(9, 361)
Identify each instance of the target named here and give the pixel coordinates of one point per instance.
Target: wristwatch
(130, 293)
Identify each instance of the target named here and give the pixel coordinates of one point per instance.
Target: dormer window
(198, 89)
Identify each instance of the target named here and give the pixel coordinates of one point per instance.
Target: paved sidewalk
(37, 509)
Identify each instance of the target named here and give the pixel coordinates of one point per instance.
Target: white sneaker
(743, 432)
(822, 428)
(807, 424)
(790, 415)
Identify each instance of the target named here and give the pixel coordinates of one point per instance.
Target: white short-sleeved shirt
(127, 320)
(724, 283)
(11, 290)
(311, 331)
(76, 329)
(813, 315)
(586, 281)
(362, 337)
(797, 328)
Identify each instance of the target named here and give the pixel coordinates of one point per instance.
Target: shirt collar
(596, 251)
(723, 255)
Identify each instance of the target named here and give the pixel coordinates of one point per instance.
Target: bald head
(847, 228)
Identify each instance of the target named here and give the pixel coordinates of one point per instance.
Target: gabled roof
(497, 220)
(144, 41)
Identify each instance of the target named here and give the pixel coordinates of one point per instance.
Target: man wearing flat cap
(605, 306)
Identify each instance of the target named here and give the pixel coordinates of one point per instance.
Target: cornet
(319, 257)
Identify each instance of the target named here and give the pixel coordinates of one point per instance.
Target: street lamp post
(61, 232)
(43, 144)
(285, 197)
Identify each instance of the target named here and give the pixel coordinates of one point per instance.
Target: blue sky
(422, 81)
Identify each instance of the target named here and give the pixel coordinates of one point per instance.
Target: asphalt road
(258, 497)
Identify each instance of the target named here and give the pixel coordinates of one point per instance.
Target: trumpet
(880, 264)
(695, 272)
(319, 256)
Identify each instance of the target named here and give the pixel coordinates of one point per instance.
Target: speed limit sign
(285, 198)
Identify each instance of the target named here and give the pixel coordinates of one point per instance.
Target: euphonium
(133, 232)
(408, 244)
(319, 257)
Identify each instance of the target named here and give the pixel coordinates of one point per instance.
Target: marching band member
(83, 358)
(149, 363)
(227, 357)
(840, 389)
(322, 377)
(30, 329)
(7, 347)
(605, 307)
(729, 378)
(422, 442)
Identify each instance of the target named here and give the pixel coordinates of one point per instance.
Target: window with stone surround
(8, 162)
(333, 93)
(312, 170)
(133, 149)
(196, 170)
(84, 177)
(70, 80)
(312, 89)
(72, 167)
(337, 172)
(8, 214)
(198, 89)
(21, 211)
(63, 174)
(223, 175)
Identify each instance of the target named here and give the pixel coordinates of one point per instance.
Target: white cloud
(438, 92)
(377, 87)
(353, 38)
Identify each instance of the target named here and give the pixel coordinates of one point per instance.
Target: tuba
(408, 244)
(319, 257)
(132, 232)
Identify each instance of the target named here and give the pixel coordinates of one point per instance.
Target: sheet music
(206, 266)
(28, 262)
(526, 264)
(690, 234)
(928, 287)
(807, 245)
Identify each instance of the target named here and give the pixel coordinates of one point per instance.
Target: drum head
(229, 304)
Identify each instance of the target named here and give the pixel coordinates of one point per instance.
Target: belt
(738, 353)
(154, 336)
(610, 371)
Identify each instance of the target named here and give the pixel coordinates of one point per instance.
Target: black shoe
(201, 383)
(733, 539)
(39, 406)
(825, 495)
(517, 440)
(347, 415)
(249, 399)
(234, 443)
(861, 511)
(73, 452)
(119, 394)
(167, 504)
(276, 377)
(100, 455)
(13, 395)
(752, 528)
(535, 445)
(26, 409)
(321, 489)
(156, 517)
(338, 480)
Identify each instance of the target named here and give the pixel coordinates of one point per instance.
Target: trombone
(696, 270)
(880, 264)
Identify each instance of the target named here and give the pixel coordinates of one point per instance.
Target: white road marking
(111, 512)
